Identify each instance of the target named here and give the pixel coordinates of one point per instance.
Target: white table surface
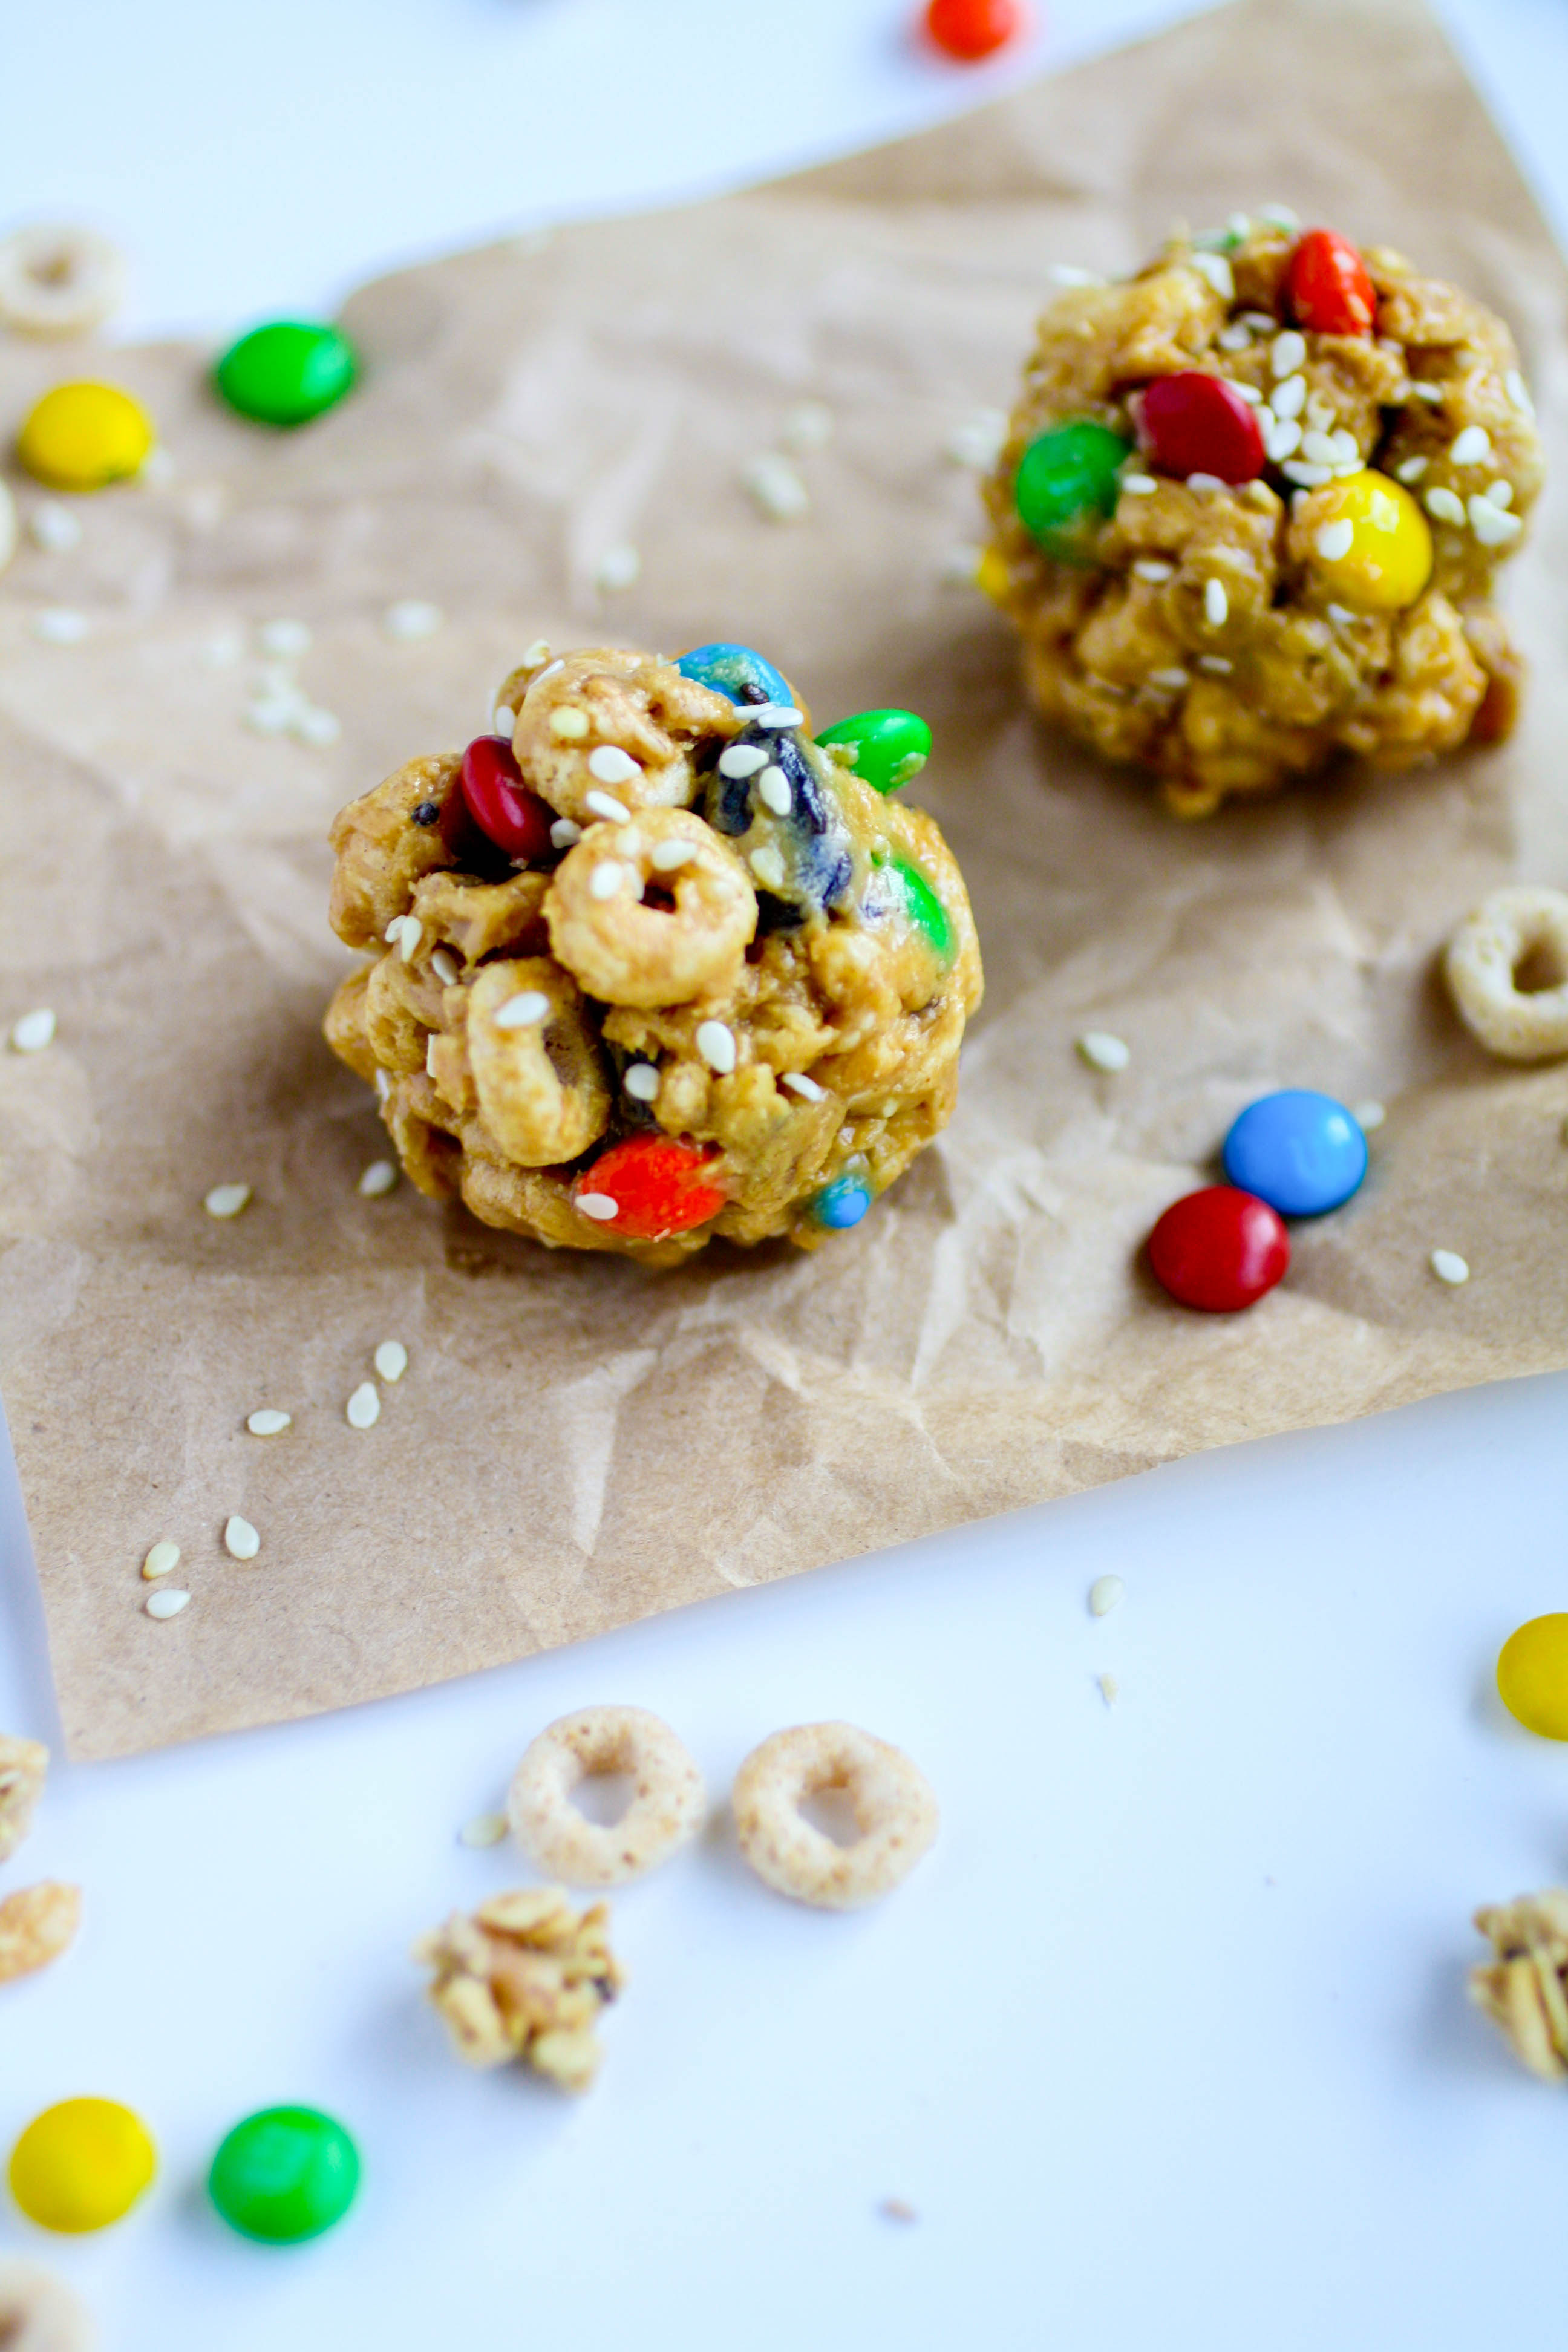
(1166, 2044)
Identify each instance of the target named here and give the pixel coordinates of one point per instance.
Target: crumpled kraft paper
(576, 1444)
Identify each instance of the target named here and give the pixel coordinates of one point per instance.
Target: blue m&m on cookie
(736, 671)
(1301, 1152)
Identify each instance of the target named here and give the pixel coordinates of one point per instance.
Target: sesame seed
(1169, 681)
(1473, 446)
(1249, 393)
(1149, 568)
(1412, 468)
(1206, 482)
(1280, 217)
(443, 968)
(162, 1560)
(1233, 338)
(1492, 525)
(1518, 392)
(776, 490)
(1498, 493)
(568, 724)
(1368, 1115)
(430, 1045)
(1297, 501)
(1346, 447)
(665, 856)
(978, 441)
(1101, 1051)
(1258, 494)
(378, 1178)
(617, 568)
(503, 718)
(599, 1206)
(287, 639)
(394, 930)
(896, 2208)
(1450, 1267)
(391, 1361)
(772, 790)
(1216, 603)
(768, 865)
(611, 765)
(409, 937)
(641, 1082)
(362, 1409)
(318, 727)
(1340, 615)
(775, 715)
(1334, 539)
(58, 626)
(224, 650)
(240, 1539)
(607, 878)
(1216, 269)
(1262, 322)
(1140, 485)
(268, 1421)
(1444, 505)
(520, 1012)
(1319, 449)
(1289, 398)
(384, 1084)
(1309, 477)
(1103, 1595)
(563, 833)
(226, 1200)
(1109, 1689)
(166, 1603)
(535, 655)
(1215, 665)
(960, 562)
(485, 1829)
(742, 760)
(411, 618)
(808, 426)
(1068, 273)
(799, 1084)
(716, 1044)
(1318, 413)
(1427, 392)
(1282, 441)
(1287, 354)
(54, 527)
(34, 1031)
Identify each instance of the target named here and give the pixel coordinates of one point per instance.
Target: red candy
(656, 1185)
(1197, 424)
(968, 29)
(1220, 1249)
(500, 803)
(1328, 286)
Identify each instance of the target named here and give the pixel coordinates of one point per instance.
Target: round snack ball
(1372, 545)
(81, 2165)
(735, 671)
(284, 2174)
(286, 371)
(80, 437)
(890, 746)
(1326, 286)
(1220, 1249)
(1067, 483)
(1533, 1675)
(971, 29)
(1192, 423)
(1301, 1152)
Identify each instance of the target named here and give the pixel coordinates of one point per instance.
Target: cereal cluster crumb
(23, 1764)
(36, 1924)
(1524, 1990)
(525, 1976)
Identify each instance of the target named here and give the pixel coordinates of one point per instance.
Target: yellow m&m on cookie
(1533, 1675)
(81, 2165)
(82, 436)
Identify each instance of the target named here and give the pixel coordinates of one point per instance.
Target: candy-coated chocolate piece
(918, 903)
(286, 372)
(890, 746)
(1220, 1249)
(81, 2165)
(1199, 424)
(81, 435)
(1533, 1675)
(735, 671)
(842, 1204)
(1066, 482)
(500, 803)
(1326, 286)
(971, 29)
(1384, 562)
(1301, 1152)
(284, 2174)
(649, 1186)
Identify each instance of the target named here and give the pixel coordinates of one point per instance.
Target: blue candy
(735, 671)
(1303, 1153)
(842, 1204)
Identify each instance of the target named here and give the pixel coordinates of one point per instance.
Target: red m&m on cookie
(651, 1186)
(495, 796)
(1197, 424)
(1220, 1249)
(1328, 287)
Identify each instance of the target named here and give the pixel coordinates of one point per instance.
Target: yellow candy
(1533, 1675)
(992, 576)
(81, 2165)
(81, 435)
(1386, 559)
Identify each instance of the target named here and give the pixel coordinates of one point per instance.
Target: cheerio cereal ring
(40, 2313)
(653, 912)
(57, 281)
(1488, 955)
(665, 1809)
(892, 1803)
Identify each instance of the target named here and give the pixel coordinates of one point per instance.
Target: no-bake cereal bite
(655, 962)
(1250, 507)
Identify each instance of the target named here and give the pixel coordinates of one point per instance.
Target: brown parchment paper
(577, 1443)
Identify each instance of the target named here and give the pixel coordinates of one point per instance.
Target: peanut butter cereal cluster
(654, 961)
(525, 1976)
(1250, 505)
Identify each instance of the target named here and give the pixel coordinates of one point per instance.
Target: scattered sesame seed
(1340, 615)
(33, 1031)
(224, 650)
(599, 1206)
(1333, 540)
(1473, 446)
(1109, 1689)
(503, 719)
(568, 724)
(617, 568)
(1412, 468)
(1216, 269)
(240, 1539)
(287, 639)
(611, 765)
(978, 442)
(563, 833)
(1068, 273)
(1140, 485)
(1216, 603)
(1103, 1595)
(776, 490)
(1309, 477)
(768, 865)
(384, 1084)
(58, 626)
(1258, 494)
(362, 1409)
(1318, 413)
(380, 1177)
(1443, 503)
(412, 618)
(1215, 665)
(641, 1082)
(1289, 398)
(774, 715)
(1319, 449)
(742, 760)
(960, 563)
(1169, 681)
(535, 655)
(1368, 1115)
(1280, 217)
(1149, 568)
(1346, 447)
(391, 1362)
(896, 2208)
(1238, 227)
(1286, 352)
(268, 1421)
(409, 937)
(665, 856)
(226, 1200)
(1449, 1266)
(430, 1045)
(1236, 338)
(166, 1603)
(485, 1829)
(54, 527)
(162, 1560)
(716, 1044)
(1493, 525)
(443, 966)
(1101, 1051)
(1262, 322)
(520, 1012)
(1251, 394)
(1282, 440)
(772, 790)
(606, 878)
(799, 1084)
(808, 426)
(1498, 493)
(1206, 482)
(1428, 392)
(1518, 392)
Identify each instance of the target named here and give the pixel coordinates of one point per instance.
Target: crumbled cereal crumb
(1103, 1595)
(23, 1764)
(1524, 1990)
(525, 1976)
(36, 1924)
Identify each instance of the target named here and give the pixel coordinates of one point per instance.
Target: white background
(1166, 2044)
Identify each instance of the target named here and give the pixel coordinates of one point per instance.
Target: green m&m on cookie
(286, 371)
(888, 747)
(284, 2174)
(1067, 483)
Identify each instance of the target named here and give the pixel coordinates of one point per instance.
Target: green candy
(888, 746)
(286, 372)
(922, 904)
(284, 2174)
(1067, 481)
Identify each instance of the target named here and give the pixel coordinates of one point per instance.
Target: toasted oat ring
(540, 1084)
(666, 1806)
(622, 948)
(40, 2313)
(57, 281)
(1482, 966)
(892, 1803)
